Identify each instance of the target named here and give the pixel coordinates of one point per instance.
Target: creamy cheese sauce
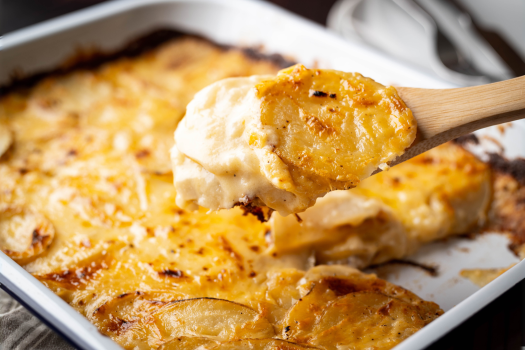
(214, 166)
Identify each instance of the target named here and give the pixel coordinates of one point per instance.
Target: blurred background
(465, 42)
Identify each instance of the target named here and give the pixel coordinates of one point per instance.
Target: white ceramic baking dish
(252, 23)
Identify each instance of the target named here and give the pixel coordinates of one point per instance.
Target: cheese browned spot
(24, 234)
(284, 141)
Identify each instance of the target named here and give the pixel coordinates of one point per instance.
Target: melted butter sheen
(86, 189)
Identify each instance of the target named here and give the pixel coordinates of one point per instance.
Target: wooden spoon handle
(443, 115)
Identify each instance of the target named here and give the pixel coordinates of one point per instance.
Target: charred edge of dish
(430, 269)
(256, 55)
(95, 58)
(88, 59)
(514, 168)
(466, 139)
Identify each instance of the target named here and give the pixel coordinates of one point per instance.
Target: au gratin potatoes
(283, 141)
(87, 205)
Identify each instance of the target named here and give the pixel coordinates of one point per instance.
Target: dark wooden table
(500, 325)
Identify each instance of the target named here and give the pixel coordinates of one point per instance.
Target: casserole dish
(108, 26)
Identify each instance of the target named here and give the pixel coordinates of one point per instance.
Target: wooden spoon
(445, 114)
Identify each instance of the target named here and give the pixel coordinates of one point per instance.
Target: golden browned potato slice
(326, 307)
(24, 234)
(353, 320)
(210, 317)
(117, 314)
(443, 192)
(330, 128)
(356, 311)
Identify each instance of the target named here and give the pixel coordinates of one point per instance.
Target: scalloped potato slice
(212, 317)
(443, 192)
(330, 128)
(24, 234)
(346, 308)
(366, 320)
(113, 315)
(343, 226)
(222, 319)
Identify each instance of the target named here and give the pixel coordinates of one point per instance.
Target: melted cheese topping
(284, 141)
(87, 206)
